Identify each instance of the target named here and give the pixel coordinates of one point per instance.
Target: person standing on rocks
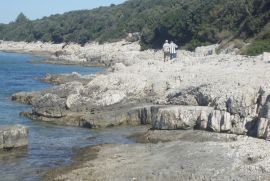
(173, 48)
(166, 50)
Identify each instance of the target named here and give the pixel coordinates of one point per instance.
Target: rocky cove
(219, 93)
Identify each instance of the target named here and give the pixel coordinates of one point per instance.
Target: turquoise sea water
(49, 145)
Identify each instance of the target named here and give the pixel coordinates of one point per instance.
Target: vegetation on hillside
(190, 23)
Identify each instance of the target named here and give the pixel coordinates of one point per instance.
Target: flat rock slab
(186, 156)
(13, 137)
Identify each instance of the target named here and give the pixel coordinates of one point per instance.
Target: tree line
(190, 23)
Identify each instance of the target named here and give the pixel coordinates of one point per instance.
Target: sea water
(50, 146)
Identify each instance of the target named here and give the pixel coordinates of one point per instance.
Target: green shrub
(257, 47)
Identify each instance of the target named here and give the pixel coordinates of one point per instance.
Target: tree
(21, 18)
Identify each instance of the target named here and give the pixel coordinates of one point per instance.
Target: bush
(257, 47)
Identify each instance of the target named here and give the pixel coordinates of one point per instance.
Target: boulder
(177, 117)
(202, 122)
(265, 111)
(243, 103)
(13, 137)
(214, 123)
(262, 128)
(226, 124)
(49, 105)
(239, 125)
(220, 121)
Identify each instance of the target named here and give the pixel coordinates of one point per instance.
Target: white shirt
(173, 47)
(166, 47)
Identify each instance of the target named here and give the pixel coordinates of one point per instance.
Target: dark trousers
(173, 55)
(166, 56)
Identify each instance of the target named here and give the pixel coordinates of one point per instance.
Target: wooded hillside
(190, 23)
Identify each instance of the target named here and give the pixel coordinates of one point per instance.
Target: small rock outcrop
(13, 137)
(25, 97)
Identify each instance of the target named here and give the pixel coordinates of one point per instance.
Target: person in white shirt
(173, 48)
(166, 50)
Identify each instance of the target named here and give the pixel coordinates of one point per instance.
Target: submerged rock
(13, 137)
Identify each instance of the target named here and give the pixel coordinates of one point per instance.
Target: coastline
(47, 56)
(188, 93)
(57, 62)
(92, 54)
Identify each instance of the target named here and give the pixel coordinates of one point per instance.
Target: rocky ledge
(13, 137)
(198, 90)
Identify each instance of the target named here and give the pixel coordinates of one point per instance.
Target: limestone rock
(177, 117)
(50, 105)
(118, 67)
(115, 87)
(215, 121)
(64, 90)
(182, 98)
(239, 125)
(65, 78)
(265, 111)
(13, 136)
(25, 97)
(241, 103)
(202, 122)
(226, 124)
(110, 97)
(263, 128)
(73, 100)
(206, 50)
(145, 114)
(266, 56)
(220, 121)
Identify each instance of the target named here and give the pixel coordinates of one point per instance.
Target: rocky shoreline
(226, 93)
